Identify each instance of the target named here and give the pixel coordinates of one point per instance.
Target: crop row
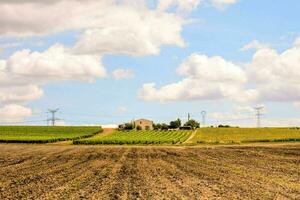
(139, 137)
(44, 134)
(246, 135)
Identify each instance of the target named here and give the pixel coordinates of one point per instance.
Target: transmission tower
(258, 115)
(203, 113)
(53, 119)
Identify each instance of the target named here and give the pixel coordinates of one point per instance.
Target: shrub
(192, 123)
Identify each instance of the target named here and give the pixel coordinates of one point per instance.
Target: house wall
(145, 124)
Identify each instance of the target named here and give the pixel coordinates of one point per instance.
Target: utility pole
(203, 113)
(53, 112)
(258, 115)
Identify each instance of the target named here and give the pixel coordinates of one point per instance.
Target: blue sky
(213, 31)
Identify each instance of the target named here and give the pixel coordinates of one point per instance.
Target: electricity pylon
(258, 115)
(53, 118)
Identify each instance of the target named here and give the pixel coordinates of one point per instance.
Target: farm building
(145, 124)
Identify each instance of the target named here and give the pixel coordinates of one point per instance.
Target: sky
(112, 61)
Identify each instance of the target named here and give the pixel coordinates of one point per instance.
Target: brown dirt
(104, 172)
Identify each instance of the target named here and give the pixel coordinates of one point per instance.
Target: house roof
(143, 120)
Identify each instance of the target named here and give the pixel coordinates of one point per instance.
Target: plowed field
(104, 172)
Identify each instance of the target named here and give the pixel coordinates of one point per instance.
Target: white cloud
(182, 5)
(109, 26)
(19, 18)
(281, 122)
(119, 74)
(270, 77)
(275, 76)
(256, 45)
(297, 104)
(205, 78)
(122, 109)
(19, 94)
(23, 73)
(14, 113)
(139, 37)
(4, 46)
(244, 116)
(251, 121)
(297, 42)
(221, 4)
(56, 63)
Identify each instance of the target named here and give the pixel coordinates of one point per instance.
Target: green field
(44, 134)
(246, 135)
(138, 137)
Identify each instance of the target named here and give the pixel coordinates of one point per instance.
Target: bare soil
(105, 172)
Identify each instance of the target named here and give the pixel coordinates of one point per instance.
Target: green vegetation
(245, 135)
(138, 137)
(192, 123)
(44, 134)
(175, 124)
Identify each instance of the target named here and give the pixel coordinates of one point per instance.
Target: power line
(258, 115)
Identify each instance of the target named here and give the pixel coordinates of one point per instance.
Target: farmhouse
(145, 124)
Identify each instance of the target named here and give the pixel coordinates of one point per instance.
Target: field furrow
(106, 172)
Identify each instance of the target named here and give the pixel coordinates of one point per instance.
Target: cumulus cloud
(297, 42)
(221, 4)
(14, 113)
(19, 18)
(140, 37)
(205, 78)
(19, 93)
(182, 5)
(269, 77)
(256, 45)
(119, 74)
(24, 72)
(109, 26)
(297, 104)
(275, 75)
(4, 46)
(56, 63)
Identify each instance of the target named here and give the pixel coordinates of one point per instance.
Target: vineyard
(44, 134)
(246, 135)
(138, 137)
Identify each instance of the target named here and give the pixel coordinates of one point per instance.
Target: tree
(175, 124)
(164, 126)
(156, 126)
(129, 126)
(192, 123)
(223, 126)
